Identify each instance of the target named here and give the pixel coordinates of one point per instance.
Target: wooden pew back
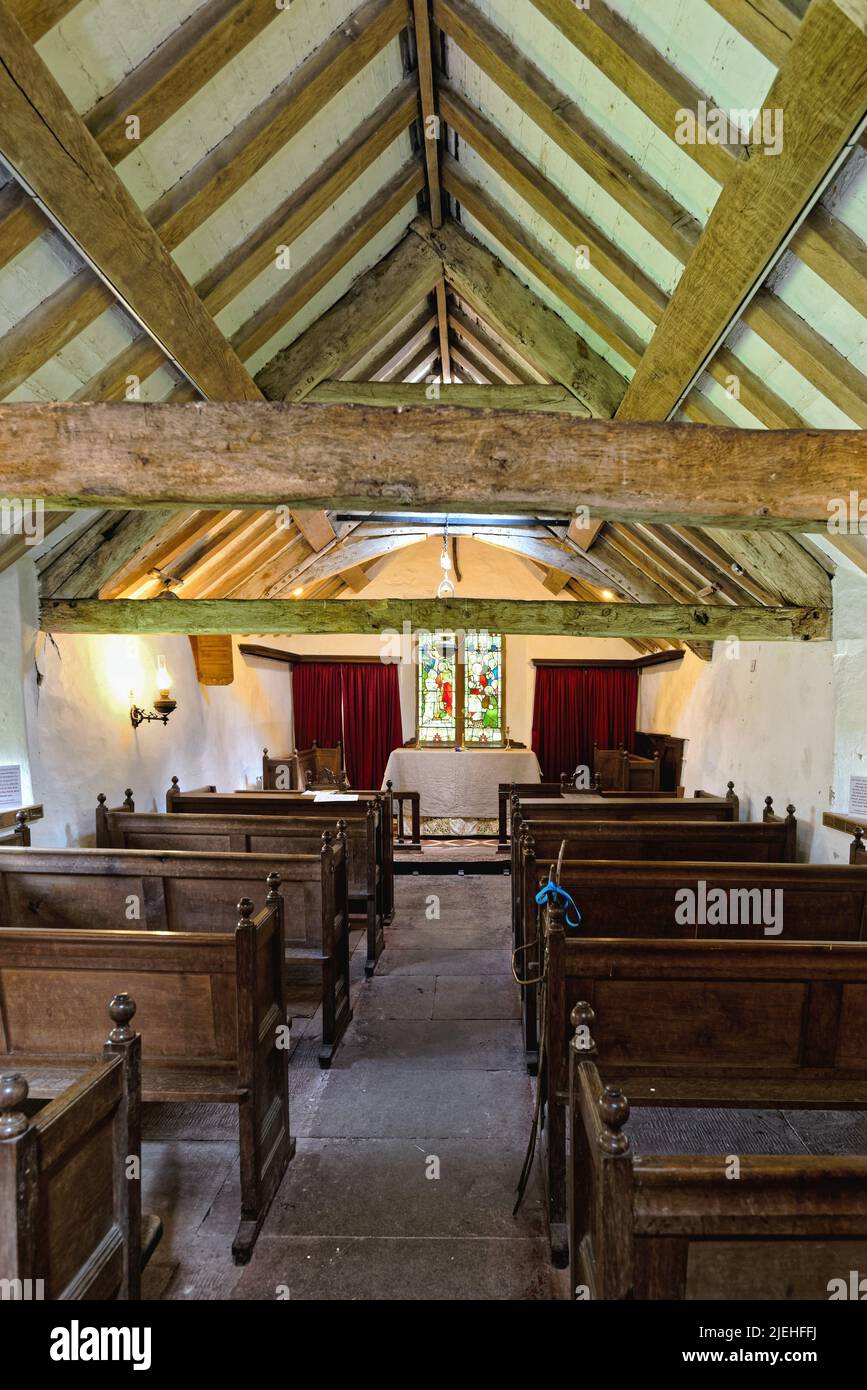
(212, 1007)
(675, 1226)
(369, 830)
(70, 1213)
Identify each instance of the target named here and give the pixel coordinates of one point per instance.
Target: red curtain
(371, 721)
(577, 706)
(316, 695)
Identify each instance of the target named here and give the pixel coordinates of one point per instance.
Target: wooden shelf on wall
(295, 659)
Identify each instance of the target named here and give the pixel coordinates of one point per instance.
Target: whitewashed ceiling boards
(474, 202)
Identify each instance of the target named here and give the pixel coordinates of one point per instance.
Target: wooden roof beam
(45, 143)
(820, 89)
(374, 305)
(669, 621)
(520, 317)
(256, 454)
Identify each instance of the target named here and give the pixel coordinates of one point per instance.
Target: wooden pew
(21, 833)
(528, 791)
(616, 769)
(71, 1225)
(141, 879)
(631, 907)
(369, 834)
(552, 820)
(212, 1015)
(708, 1024)
(770, 840)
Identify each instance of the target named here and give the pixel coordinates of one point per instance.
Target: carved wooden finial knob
(341, 827)
(790, 810)
(21, 817)
(13, 1093)
(388, 784)
(121, 1012)
(614, 1112)
(583, 1015)
(327, 837)
(264, 752)
(859, 834)
(273, 882)
(101, 798)
(175, 783)
(128, 801)
(769, 801)
(245, 908)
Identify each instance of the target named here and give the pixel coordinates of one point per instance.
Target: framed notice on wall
(858, 796)
(10, 785)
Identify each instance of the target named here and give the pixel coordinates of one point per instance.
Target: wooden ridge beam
(260, 454)
(388, 616)
(428, 99)
(820, 90)
(45, 143)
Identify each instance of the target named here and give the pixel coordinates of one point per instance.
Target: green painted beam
(384, 616)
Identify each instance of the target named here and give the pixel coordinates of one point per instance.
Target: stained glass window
(460, 689)
(483, 688)
(436, 688)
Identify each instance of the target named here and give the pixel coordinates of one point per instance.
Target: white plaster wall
(78, 739)
(761, 717)
(781, 719)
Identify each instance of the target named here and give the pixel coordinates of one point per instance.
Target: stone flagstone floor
(429, 1079)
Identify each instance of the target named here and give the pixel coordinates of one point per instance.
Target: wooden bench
(616, 769)
(142, 880)
(212, 1013)
(770, 840)
(825, 909)
(709, 1024)
(20, 835)
(369, 835)
(71, 1225)
(527, 791)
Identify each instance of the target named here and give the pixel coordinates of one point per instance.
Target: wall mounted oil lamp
(163, 706)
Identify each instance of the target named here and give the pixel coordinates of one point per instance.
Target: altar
(459, 784)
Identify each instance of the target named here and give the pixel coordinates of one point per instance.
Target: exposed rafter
(820, 91)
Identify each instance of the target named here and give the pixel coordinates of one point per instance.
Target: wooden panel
(79, 1007)
(213, 658)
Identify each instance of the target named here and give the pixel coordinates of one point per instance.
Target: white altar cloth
(459, 784)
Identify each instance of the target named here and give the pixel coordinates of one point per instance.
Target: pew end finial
(273, 881)
(857, 847)
(583, 1016)
(101, 798)
(768, 812)
(342, 829)
(613, 1108)
(246, 909)
(128, 803)
(13, 1094)
(121, 1011)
